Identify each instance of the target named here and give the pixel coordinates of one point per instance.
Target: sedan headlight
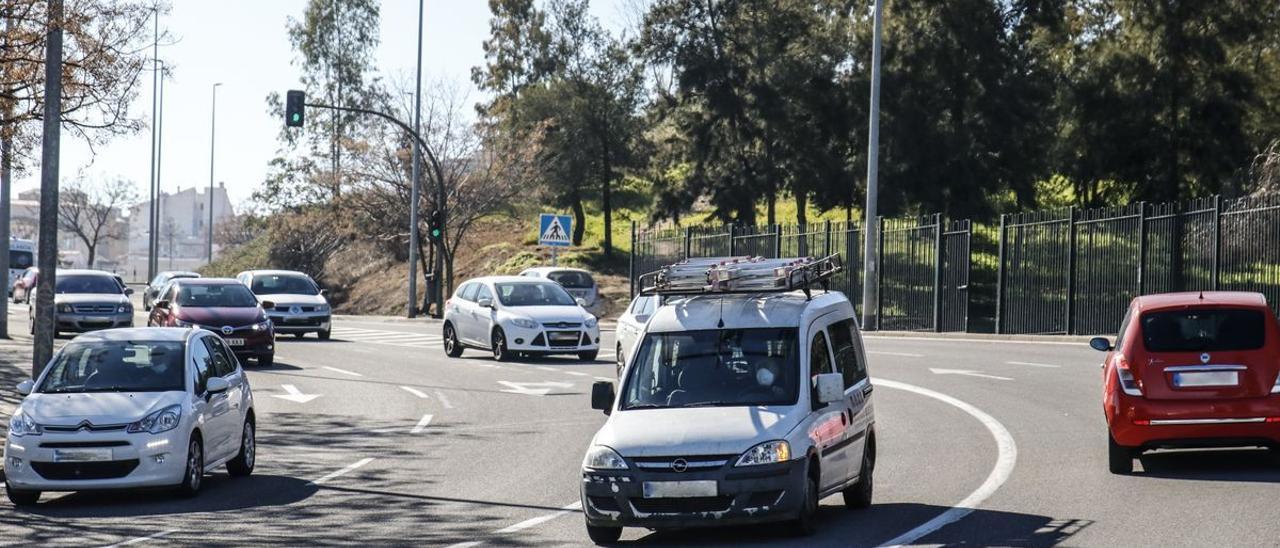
(163, 420)
(591, 322)
(324, 308)
(524, 322)
(600, 457)
(22, 425)
(262, 325)
(769, 452)
(125, 309)
(65, 309)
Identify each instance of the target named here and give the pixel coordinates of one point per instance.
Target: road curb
(979, 336)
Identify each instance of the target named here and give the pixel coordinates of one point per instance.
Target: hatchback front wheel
(500, 351)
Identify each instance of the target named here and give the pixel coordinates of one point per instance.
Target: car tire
(452, 346)
(499, 345)
(266, 360)
(1119, 457)
(806, 523)
(589, 355)
(858, 495)
(242, 464)
(324, 335)
(193, 474)
(603, 534)
(20, 497)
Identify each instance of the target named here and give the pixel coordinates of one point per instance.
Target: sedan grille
(84, 470)
(94, 308)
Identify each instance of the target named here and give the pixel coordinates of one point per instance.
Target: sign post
(554, 231)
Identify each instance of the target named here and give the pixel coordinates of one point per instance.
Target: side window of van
(844, 345)
(819, 363)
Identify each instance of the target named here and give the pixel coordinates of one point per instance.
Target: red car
(223, 306)
(25, 284)
(1192, 370)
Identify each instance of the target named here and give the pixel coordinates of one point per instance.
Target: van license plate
(679, 489)
(93, 454)
(235, 342)
(1206, 379)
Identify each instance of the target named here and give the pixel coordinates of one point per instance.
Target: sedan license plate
(680, 489)
(235, 342)
(88, 454)
(1199, 379)
(97, 319)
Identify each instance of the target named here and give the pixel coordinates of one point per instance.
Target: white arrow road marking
(533, 388)
(343, 371)
(900, 354)
(1033, 364)
(534, 522)
(444, 400)
(422, 424)
(295, 395)
(968, 373)
(345, 470)
(414, 391)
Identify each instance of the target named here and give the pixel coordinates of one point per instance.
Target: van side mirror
(1100, 344)
(830, 387)
(25, 387)
(602, 396)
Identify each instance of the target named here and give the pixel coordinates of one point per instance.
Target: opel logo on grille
(679, 465)
(295, 309)
(226, 330)
(1204, 358)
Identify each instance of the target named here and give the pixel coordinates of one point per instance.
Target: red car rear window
(1203, 330)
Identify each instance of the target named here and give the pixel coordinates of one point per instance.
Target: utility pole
(213, 133)
(48, 246)
(153, 217)
(417, 174)
(159, 166)
(870, 277)
(5, 182)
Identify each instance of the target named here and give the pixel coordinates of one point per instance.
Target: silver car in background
(86, 300)
(298, 306)
(162, 279)
(576, 281)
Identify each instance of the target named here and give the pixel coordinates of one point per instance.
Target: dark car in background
(223, 306)
(158, 283)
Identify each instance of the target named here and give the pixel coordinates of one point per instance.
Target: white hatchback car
(511, 315)
(124, 408)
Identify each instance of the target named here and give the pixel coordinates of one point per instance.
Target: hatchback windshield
(228, 294)
(87, 284)
(730, 367)
(572, 279)
(533, 294)
(116, 366)
(1203, 330)
(279, 284)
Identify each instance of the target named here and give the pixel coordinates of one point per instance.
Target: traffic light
(294, 104)
(435, 227)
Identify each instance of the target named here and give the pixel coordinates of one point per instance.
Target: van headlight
(769, 452)
(163, 420)
(600, 457)
(22, 425)
(524, 322)
(591, 322)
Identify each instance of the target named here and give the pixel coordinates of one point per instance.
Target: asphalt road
(402, 445)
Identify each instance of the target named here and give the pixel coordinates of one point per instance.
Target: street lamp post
(412, 310)
(870, 285)
(213, 132)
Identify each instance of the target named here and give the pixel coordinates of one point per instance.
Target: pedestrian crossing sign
(554, 229)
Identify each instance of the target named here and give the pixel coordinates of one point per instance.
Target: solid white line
(349, 468)
(1033, 364)
(343, 371)
(534, 522)
(605, 379)
(946, 339)
(576, 373)
(1006, 459)
(465, 544)
(544, 368)
(392, 338)
(902, 354)
(143, 539)
(422, 424)
(414, 391)
(444, 400)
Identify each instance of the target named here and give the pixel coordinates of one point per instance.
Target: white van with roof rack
(746, 399)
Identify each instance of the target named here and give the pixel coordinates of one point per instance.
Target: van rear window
(1203, 330)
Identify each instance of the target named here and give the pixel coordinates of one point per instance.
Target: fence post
(1142, 247)
(880, 276)
(688, 242)
(968, 269)
(1217, 239)
(826, 228)
(631, 264)
(731, 242)
(777, 240)
(937, 271)
(1071, 269)
(1000, 279)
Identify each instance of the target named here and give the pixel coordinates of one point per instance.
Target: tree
(91, 212)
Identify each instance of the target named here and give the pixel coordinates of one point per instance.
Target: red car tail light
(1130, 385)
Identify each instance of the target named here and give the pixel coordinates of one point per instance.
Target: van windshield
(1203, 330)
(723, 368)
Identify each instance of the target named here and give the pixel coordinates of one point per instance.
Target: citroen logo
(679, 465)
(1204, 358)
(226, 330)
(85, 425)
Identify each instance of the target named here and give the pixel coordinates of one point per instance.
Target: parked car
(509, 315)
(85, 300)
(158, 283)
(576, 281)
(1192, 369)
(125, 408)
(223, 306)
(630, 324)
(25, 285)
(298, 306)
(737, 408)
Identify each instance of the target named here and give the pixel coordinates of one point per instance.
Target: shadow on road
(219, 494)
(1248, 465)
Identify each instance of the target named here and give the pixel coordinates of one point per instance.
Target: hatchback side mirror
(830, 387)
(602, 396)
(485, 302)
(217, 385)
(581, 302)
(1100, 344)
(25, 387)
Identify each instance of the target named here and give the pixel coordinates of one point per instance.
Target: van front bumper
(754, 494)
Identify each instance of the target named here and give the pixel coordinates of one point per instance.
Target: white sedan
(510, 315)
(124, 408)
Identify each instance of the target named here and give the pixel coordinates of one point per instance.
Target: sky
(243, 44)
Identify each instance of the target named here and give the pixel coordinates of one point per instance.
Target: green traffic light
(435, 232)
(296, 117)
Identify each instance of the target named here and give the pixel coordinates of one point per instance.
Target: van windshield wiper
(644, 406)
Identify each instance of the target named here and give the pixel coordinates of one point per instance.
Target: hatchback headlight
(600, 457)
(163, 420)
(769, 452)
(524, 322)
(22, 425)
(591, 322)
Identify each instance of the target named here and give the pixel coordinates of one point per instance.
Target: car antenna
(720, 323)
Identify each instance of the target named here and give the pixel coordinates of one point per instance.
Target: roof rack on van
(745, 274)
